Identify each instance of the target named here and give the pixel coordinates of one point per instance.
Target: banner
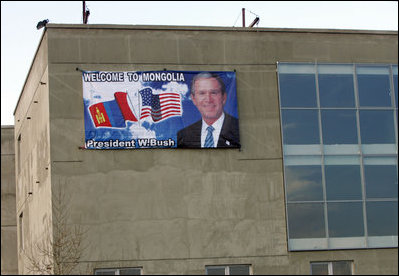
(160, 109)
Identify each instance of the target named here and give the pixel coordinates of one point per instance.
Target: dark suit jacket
(190, 137)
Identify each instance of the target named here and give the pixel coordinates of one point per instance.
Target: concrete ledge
(212, 28)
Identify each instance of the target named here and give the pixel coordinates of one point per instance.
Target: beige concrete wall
(32, 147)
(9, 260)
(174, 211)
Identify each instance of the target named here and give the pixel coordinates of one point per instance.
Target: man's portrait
(216, 128)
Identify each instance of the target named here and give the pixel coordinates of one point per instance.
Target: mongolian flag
(113, 113)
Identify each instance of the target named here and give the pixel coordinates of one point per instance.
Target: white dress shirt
(217, 125)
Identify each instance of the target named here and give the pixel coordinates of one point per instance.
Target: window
(331, 268)
(21, 232)
(298, 85)
(339, 132)
(118, 271)
(339, 126)
(336, 86)
(18, 156)
(229, 270)
(374, 85)
(300, 127)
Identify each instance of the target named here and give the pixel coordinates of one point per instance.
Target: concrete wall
(9, 260)
(32, 147)
(174, 211)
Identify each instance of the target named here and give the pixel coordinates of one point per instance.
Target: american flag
(160, 106)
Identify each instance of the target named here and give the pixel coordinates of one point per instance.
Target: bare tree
(59, 250)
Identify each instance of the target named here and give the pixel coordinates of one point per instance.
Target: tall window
(21, 231)
(340, 140)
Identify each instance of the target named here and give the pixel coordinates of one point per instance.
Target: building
(9, 253)
(266, 208)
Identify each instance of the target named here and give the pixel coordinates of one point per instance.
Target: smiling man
(216, 129)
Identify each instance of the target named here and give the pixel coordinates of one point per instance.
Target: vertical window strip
(326, 69)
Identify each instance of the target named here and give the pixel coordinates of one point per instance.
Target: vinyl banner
(160, 109)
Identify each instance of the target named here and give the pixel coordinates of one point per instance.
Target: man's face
(209, 99)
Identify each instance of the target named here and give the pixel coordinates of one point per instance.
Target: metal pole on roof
(243, 17)
(254, 22)
(83, 12)
(86, 13)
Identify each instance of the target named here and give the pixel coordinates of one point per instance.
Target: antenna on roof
(243, 17)
(86, 13)
(256, 20)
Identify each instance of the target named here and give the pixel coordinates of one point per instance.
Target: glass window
(239, 269)
(319, 268)
(342, 268)
(297, 85)
(118, 271)
(105, 272)
(377, 127)
(228, 270)
(331, 268)
(306, 220)
(336, 86)
(339, 126)
(343, 182)
(395, 83)
(345, 219)
(130, 271)
(382, 218)
(343, 177)
(21, 231)
(303, 183)
(300, 127)
(215, 270)
(374, 86)
(381, 181)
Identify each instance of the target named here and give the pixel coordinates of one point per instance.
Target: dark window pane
(306, 220)
(382, 218)
(239, 270)
(377, 127)
(303, 183)
(319, 268)
(336, 91)
(339, 127)
(215, 271)
(345, 219)
(342, 268)
(395, 85)
(381, 181)
(343, 182)
(374, 87)
(300, 127)
(105, 272)
(130, 271)
(297, 90)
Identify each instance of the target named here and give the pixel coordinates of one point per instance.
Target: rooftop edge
(214, 28)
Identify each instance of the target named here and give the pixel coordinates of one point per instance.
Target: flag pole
(138, 99)
(131, 104)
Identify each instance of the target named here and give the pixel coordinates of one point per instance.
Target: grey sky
(20, 38)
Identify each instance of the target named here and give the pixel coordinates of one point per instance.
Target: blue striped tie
(209, 138)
